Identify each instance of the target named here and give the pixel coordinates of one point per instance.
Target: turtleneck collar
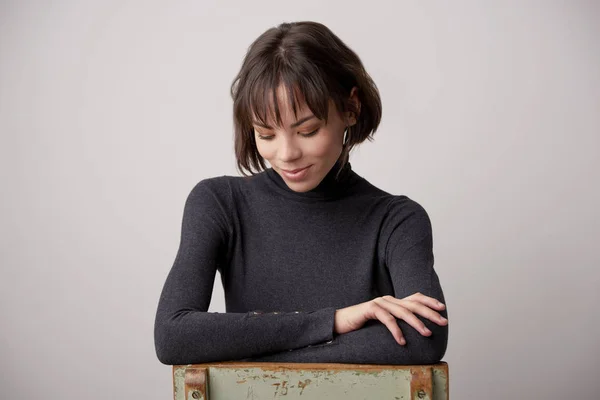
(331, 187)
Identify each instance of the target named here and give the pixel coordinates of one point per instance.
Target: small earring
(344, 141)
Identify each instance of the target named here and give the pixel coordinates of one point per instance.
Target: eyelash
(305, 135)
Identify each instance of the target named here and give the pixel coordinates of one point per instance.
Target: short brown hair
(312, 63)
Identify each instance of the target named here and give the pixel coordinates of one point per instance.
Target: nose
(288, 149)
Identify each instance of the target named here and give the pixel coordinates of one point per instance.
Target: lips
(293, 171)
(298, 174)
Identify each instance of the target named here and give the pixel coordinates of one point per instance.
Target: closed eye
(313, 133)
(303, 134)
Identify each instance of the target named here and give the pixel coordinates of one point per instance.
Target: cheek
(324, 145)
(265, 149)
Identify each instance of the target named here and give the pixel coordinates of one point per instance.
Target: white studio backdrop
(111, 111)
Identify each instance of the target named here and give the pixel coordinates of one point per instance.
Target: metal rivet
(196, 394)
(421, 394)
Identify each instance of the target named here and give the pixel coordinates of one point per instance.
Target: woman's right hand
(386, 309)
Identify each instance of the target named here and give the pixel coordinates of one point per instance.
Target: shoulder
(209, 189)
(396, 205)
(227, 189)
(406, 221)
(397, 209)
(211, 197)
(402, 206)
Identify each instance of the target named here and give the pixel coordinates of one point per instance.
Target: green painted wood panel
(253, 381)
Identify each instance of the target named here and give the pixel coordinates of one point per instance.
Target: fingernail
(426, 330)
(402, 341)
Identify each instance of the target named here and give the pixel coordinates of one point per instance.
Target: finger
(421, 298)
(428, 301)
(390, 322)
(424, 311)
(404, 314)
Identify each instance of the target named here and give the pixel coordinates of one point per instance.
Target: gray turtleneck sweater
(287, 261)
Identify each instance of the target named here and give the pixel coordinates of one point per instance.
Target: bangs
(301, 88)
(300, 65)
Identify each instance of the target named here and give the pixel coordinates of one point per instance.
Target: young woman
(317, 264)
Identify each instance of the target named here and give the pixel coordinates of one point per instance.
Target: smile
(297, 174)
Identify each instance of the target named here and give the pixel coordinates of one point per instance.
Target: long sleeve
(409, 260)
(184, 332)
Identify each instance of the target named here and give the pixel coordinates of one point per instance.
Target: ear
(352, 117)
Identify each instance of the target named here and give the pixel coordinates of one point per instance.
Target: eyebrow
(295, 124)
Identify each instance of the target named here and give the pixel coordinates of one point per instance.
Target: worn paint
(441, 379)
(178, 382)
(232, 380)
(196, 383)
(421, 383)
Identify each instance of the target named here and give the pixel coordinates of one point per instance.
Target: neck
(333, 185)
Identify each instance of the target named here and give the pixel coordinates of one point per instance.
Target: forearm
(189, 337)
(372, 344)
(375, 344)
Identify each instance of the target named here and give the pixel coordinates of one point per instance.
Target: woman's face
(303, 143)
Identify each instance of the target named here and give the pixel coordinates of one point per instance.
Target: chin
(301, 187)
